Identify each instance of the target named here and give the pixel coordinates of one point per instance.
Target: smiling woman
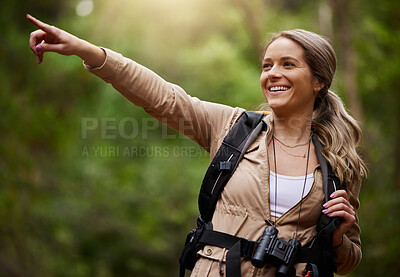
(298, 69)
(286, 80)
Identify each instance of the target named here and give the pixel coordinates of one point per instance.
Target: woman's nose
(274, 73)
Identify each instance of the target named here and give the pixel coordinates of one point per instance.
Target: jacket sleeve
(199, 120)
(348, 254)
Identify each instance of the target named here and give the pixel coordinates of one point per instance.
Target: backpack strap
(245, 130)
(323, 164)
(243, 133)
(330, 180)
(326, 225)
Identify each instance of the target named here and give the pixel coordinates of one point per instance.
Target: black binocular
(276, 251)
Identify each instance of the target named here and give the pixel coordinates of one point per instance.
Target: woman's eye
(289, 64)
(266, 66)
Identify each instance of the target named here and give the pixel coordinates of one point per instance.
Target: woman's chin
(275, 105)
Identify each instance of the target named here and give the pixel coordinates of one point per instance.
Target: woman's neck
(292, 130)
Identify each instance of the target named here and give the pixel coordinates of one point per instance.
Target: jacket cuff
(343, 250)
(348, 256)
(111, 67)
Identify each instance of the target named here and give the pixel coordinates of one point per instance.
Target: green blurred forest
(92, 186)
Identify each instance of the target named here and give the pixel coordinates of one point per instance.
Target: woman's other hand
(339, 206)
(52, 39)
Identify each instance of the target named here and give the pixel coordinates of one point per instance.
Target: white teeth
(278, 88)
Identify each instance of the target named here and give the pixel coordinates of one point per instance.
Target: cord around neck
(304, 184)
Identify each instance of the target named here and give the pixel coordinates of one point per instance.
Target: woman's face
(286, 80)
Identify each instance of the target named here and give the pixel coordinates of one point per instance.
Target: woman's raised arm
(52, 39)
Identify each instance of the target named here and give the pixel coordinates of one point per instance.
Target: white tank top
(289, 190)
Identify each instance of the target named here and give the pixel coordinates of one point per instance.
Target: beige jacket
(244, 204)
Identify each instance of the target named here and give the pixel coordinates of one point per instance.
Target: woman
(280, 169)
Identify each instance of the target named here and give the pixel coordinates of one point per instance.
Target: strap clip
(224, 166)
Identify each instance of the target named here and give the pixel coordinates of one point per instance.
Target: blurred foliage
(120, 200)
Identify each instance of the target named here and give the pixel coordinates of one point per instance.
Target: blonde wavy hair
(335, 128)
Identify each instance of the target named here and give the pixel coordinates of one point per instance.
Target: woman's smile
(286, 80)
(277, 89)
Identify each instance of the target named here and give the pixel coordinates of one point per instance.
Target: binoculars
(276, 251)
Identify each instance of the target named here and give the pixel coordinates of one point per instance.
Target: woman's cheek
(263, 84)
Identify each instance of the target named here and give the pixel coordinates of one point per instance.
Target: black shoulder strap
(326, 225)
(242, 134)
(331, 183)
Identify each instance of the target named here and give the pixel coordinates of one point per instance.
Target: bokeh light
(84, 8)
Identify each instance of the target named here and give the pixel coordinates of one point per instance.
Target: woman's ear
(317, 85)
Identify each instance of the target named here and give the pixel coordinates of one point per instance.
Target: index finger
(339, 193)
(41, 25)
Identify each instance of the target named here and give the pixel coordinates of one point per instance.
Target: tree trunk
(342, 13)
(251, 13)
